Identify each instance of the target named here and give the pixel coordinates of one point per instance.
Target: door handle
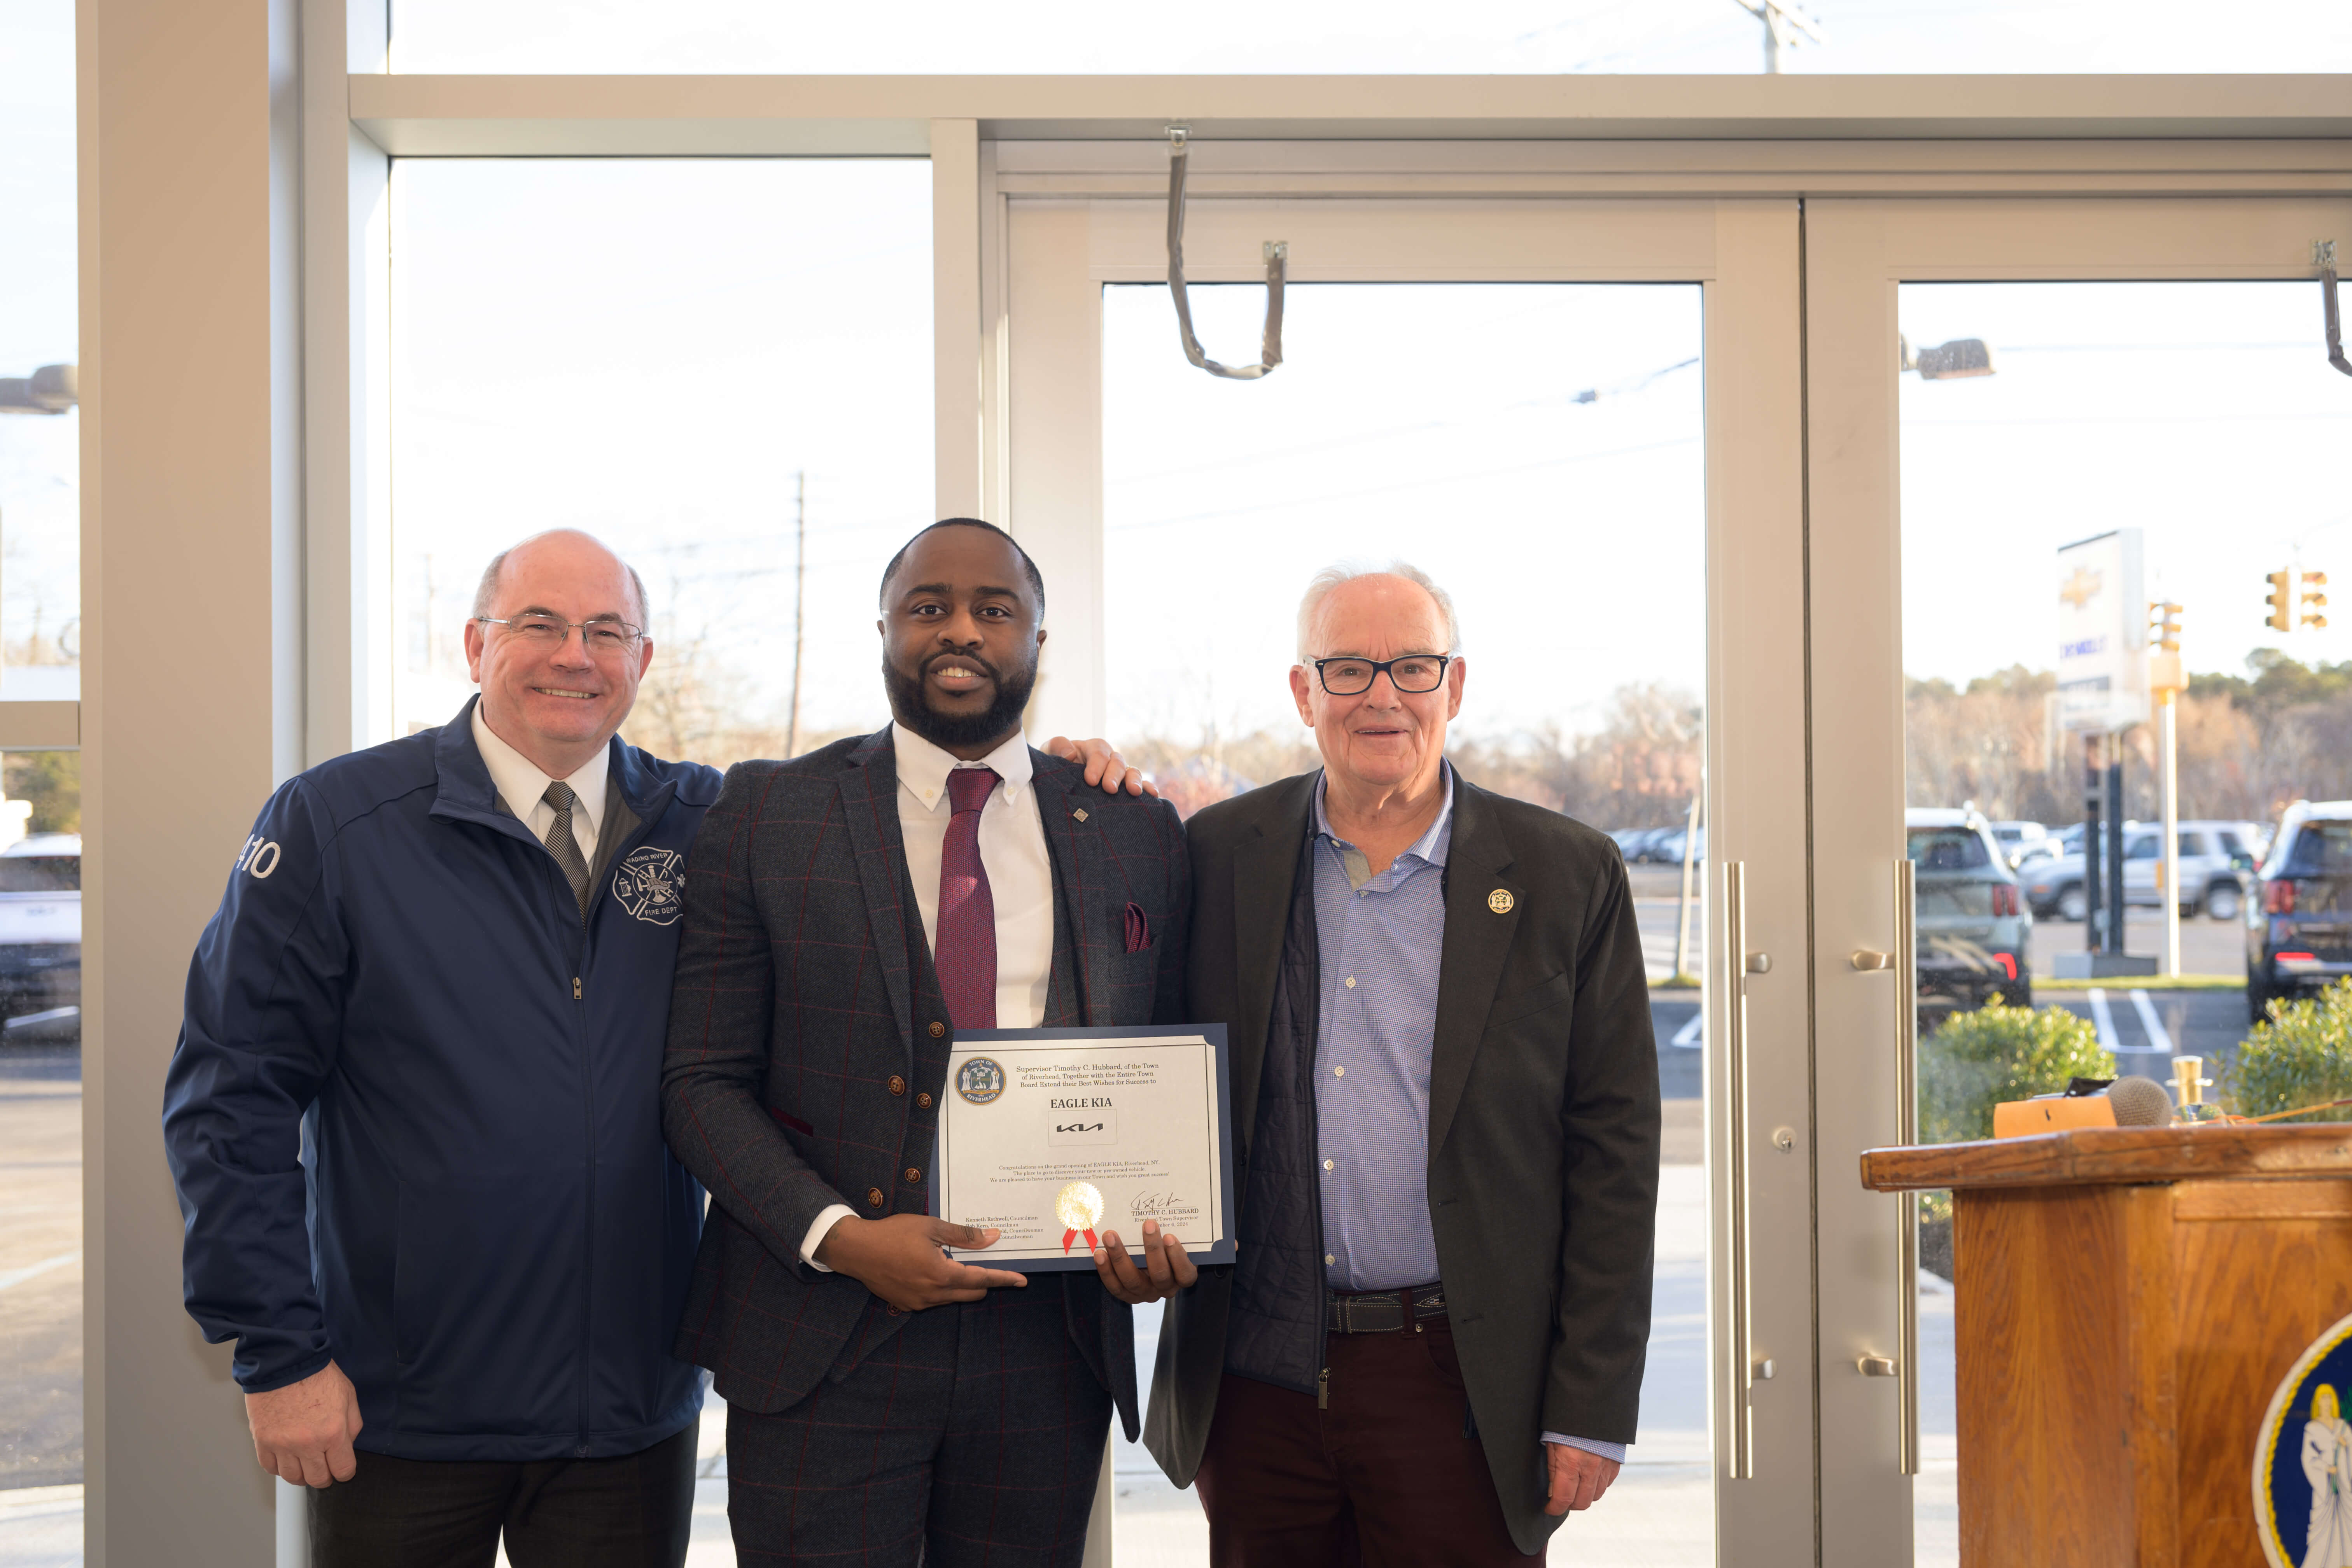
(1746, 1365)
(1903, 1366)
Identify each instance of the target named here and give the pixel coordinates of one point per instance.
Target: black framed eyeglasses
(599, 637)
(1414, 673)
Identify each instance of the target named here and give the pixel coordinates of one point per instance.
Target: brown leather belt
(1384, 1311)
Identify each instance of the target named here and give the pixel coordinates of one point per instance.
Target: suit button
(923, 1101)
(898, 1311)
(874, 1197)
(898, 1084)
(937, 1029)
(914, 1177)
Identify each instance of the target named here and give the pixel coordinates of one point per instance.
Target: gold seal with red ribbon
(1080, 1207)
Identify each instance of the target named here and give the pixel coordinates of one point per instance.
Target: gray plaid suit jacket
(802, 980)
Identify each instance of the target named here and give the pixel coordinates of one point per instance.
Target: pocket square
(1138, 929)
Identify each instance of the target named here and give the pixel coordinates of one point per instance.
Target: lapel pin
(1080, 813)
(1500, 901)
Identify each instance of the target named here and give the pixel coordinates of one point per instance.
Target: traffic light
(2281, 617)
(2164, 625)
(2314, 600)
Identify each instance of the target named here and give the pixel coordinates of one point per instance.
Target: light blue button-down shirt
(1380, 938)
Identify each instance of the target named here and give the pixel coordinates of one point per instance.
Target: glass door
(2103, 437)
(1570, 415)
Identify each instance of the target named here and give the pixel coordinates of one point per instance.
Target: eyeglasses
(1414, 673)
(551, 632)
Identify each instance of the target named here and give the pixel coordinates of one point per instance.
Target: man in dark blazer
(847, 913)
(1445, 1093)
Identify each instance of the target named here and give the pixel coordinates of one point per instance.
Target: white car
(40, 938)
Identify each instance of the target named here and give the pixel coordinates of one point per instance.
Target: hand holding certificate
(1066, 1140)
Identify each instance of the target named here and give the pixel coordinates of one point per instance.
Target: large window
(1538, 449)
(40, 426)
(720, 368)
(2135, 448)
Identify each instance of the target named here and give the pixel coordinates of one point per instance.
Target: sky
(2205, 415)
(1435, 423)
(656, 352)
(40, 546)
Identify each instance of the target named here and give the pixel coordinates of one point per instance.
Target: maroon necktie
(964, 952)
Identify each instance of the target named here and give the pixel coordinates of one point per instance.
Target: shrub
(2300, 1054)
(1975, 1060)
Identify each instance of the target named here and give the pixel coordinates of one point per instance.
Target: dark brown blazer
(802, 980)
(1543, 1121)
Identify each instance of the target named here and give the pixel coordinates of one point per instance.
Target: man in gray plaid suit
(846, 913)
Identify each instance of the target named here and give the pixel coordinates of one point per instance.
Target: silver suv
(1975, 932)
(2215, 858)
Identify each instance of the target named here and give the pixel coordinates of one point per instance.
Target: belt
(1384, 1311)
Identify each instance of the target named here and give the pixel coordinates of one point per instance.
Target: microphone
(2087, 1103)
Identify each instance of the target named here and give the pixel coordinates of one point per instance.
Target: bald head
(566, 552)
(547, 690)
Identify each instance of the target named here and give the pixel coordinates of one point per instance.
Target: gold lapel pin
(1500, 901)
(1080, 813)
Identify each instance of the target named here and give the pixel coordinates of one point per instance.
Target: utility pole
(1782, 24)
(2164, 678)
(800, 606)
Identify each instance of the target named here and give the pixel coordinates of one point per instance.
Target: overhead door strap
(1276, 251)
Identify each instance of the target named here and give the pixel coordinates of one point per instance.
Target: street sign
(2102, 633)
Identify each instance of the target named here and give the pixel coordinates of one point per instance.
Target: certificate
(1053, 1136)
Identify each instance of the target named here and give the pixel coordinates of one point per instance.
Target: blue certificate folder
(1128, 1226)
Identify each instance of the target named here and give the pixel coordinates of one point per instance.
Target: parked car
(1629, 839)
(2215, 858)
(40, 938)
(1973, 928)
(1644, 846)
(1666, 849)
(2015, 837)
(2299, 924)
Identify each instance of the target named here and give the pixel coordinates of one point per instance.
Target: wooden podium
(2127, 1300)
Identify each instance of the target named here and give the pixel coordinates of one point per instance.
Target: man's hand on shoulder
(898, 1259)
(1106, 769)
(1578, 1478)
(1166, 1267)
(303, 1431)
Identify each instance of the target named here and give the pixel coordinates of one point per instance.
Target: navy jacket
(415, 1112)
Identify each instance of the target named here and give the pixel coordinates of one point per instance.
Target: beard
(910, 703)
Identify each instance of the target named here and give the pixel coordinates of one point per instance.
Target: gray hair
(1331, 577)
(486, 593)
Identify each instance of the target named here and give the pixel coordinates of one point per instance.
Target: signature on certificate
(1155, 1205)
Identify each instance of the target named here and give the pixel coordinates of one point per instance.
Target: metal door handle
(1736, 966)
(1906, 1130)
(1902, 1366)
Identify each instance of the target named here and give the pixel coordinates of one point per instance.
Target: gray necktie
(563, 846)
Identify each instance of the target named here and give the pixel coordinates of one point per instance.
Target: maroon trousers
(1383, 1479)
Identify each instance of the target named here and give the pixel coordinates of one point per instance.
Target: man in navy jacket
(413, 1114)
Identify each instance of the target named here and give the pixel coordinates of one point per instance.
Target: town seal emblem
(979, 1081)
(2303, 1458)
(651, 885)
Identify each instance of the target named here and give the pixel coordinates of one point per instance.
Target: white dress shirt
(523, 788)
(1020, 882)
